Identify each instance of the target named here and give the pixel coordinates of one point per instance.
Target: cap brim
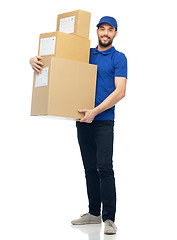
(104, 22)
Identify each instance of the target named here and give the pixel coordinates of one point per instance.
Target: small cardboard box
(63, 87)
(77, 22)
(63, 45)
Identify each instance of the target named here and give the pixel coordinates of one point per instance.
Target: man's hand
(37, 64)
(89, 115)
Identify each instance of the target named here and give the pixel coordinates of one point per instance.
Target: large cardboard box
(63, 45)
(77, 22)
(63, 87)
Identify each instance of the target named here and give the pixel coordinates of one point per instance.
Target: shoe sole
(109, 233)
(85, 223)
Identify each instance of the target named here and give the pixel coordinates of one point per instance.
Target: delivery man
(95, 130)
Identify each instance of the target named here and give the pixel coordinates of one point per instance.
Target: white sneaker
(109, 227)
(87, 219)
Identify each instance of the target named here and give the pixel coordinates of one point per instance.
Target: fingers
(83, 119)
(82, 110)
(36, 69)
(39, 57)
(38, 60)
(37, 64)
(86, 120)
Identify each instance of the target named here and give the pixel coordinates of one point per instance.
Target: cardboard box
(63, 45)
(63, 87)
(77, 22)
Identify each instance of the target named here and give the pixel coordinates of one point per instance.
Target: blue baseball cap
(110, 20)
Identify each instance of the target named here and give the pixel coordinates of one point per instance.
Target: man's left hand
(89, 115)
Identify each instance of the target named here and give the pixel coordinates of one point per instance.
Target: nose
(106, 32)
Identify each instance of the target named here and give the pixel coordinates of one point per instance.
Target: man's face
(106, 34)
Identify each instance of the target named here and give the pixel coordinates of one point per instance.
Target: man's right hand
(36, 64)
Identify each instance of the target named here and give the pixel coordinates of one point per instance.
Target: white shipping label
(47, 46)
(42, 78)
(67, 24)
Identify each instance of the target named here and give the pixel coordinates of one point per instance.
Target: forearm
(110, 101)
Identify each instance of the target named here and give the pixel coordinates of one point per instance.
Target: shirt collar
(106, 52)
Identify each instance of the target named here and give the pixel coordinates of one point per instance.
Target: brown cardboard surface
(81, 23)
(67, 46)
(71, 86)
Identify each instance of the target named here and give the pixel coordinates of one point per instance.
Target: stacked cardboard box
(67, 82)
(77, 22)
(64, 45)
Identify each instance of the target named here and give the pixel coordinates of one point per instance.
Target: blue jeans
(96, 146)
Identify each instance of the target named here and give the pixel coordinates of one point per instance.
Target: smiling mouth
(105, 38)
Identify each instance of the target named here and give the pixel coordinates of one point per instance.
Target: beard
(102, 44)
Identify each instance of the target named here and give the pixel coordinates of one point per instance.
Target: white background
(42, 184)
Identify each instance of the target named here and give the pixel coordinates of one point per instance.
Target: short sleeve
(120, 63)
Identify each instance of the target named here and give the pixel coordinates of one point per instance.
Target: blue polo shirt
(110, 64)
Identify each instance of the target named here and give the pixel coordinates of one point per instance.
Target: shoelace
(84, 214)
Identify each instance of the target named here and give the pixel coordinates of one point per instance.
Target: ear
(97, 31)
(115, 34)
